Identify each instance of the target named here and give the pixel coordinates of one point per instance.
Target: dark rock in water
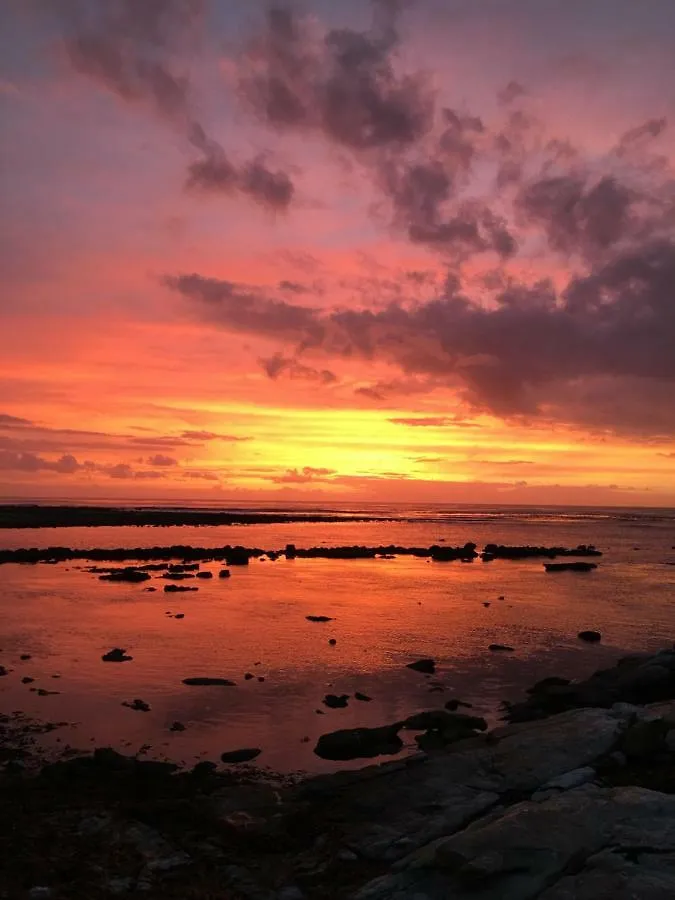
(448, 554)
(184, 567)
(335, 701)
(486, 603)
(25, 656)
(570, 567)
(441, 719)
(138, 704)
(261, 677)
(454, 704)
(237, 556)
(591, 636)
(3, 671)
(179, 616)
(204, 682)
(427, 666)
(363, 697)
(204, 574)
(359, 743)
(332, 642)
(319, 618)
(501, 647)
(224, 573)
(239, 756)
(290, 551)
(27, 680)
(248, 676)
(178, 576)
(127, 574)
(177, 726)
(203, 769)
(116, 655)
(177, 588)
(42, 692)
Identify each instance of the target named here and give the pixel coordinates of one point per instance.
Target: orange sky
(340, 342)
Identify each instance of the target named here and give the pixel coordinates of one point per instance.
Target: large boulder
(359, 743)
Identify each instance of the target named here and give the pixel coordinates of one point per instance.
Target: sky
(406, 250)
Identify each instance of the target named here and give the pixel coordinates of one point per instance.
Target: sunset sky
(418, 251)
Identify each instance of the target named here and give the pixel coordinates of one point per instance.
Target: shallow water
(386, 613)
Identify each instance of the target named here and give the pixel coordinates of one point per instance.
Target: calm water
(386, 614)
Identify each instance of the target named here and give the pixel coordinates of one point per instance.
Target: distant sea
(384, 614)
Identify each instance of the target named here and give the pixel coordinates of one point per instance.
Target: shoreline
(550, 803)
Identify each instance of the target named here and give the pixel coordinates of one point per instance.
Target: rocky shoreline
(574, 799)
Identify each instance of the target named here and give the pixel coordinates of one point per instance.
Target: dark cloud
(531, 351)
(160, 460)
(133, 49)
(648, 131)
(278, 364)
(303, 476)
(205, 476)
(31, 462)
(7, 421)
(343, 84)
(211, 436)
(511, 92)
(294, 287)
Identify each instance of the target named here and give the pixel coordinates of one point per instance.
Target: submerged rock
(246, 754)
(359, 743)
(116, 655)
(364, 698)
(204, 574)
(497, 648)
(426, 666)
(205, 681)
(224, 573)
(138, 704)
(335, 701)
(319, 618)
(176, 726)
(590, 636)
(178, 588)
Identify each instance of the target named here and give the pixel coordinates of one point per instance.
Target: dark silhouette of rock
(440, 719)
(237, 556)
(426, 666)
(204, 574)
(127, 574)
(177, 726)
(359, 743)
(332, 642)
(454, 704)
(570, 567)
(592, 637)
(363, 697)
(27, 680)
(178, 576)
(224, 573)
(137, 704)
(496, 648)
(3, 671)
(239, 756)
(116, 655)
(179, 616)
(248, 676)
(335, 701)
(25, 656)
(205, 681)
(319, 618)
(178, 588)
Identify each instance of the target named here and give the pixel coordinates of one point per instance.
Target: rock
(363, 697)
(25, 656)
(570, 780)
(176, 726)
(205, 681)
(486, 603)
(179, 616)
(178, 588)
(138, 704)
(224, 573)
(426, 666)
(261, 677)
(570, 567)
(591, 636)
(454, 704)
(332, 642)
(237, 556)
(335, 701)
(204, 574)
(116, 655)
(496, 648)
(290, 892)
(240, 756)
(248, 676)
(27, 680)
(127, 574)
(644, 739)
(359, 743)
(319, 618)
(441, 719)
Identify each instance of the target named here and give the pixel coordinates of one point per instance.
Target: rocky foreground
(572, 805)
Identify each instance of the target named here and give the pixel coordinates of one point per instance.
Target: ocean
(384, 614)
